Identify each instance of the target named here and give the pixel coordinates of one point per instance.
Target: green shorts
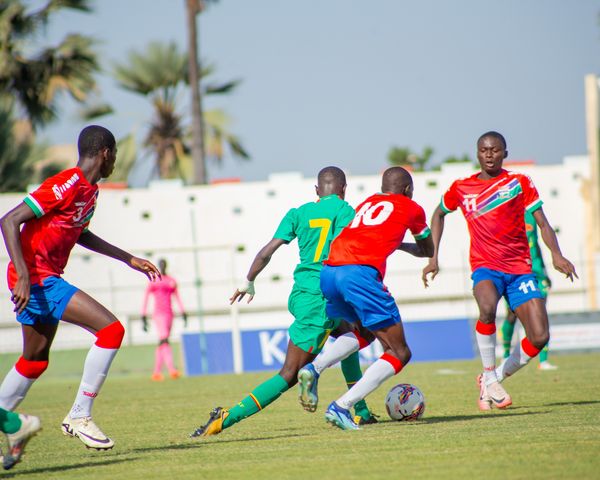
(311, 327)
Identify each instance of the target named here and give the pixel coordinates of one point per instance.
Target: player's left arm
(549, 236)
(96, 244)
(423, 246)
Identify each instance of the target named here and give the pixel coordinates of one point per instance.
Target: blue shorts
(47, 302)
(516, 288)
(356, 293)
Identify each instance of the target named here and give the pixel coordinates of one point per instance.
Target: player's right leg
(488, 287)
(37, 340)
(262, 396)
(19, 429)
(84, 311)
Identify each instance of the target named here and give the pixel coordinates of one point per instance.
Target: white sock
(341, 348)
(374, 376)
(517, 360)
(96, 367)
(486, 342)
(13, 389)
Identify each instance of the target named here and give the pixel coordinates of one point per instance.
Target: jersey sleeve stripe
(444, 207)
(422, 234)
(34, 205)
(534, 205)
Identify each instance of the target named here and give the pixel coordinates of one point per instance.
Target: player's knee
(487, 314)
(31, 369)
(110, 336)
(539, 339)
(164, 341)
(289, 374)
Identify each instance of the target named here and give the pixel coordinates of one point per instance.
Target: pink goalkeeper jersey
(495, 210)
(162, 291)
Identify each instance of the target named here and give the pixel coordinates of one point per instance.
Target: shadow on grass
(563, 404)
(460, 418)
(199, 442)
(61, 468)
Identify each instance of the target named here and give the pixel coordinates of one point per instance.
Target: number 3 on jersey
(324, 224)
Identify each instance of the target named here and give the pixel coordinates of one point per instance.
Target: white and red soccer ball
(405, 402)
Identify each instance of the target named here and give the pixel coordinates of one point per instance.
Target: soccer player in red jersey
(352, 280)
(494, 202)
(55, 217)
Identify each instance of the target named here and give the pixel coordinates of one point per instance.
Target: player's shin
(9, 421)
(486, 341)
(18, 381)
(352, 374)
(382, 369)
(520, 356)
(263, 395)
(97, 364)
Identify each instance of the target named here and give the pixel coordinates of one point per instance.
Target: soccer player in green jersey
(315, 225)
(539, 270)
(18, 429)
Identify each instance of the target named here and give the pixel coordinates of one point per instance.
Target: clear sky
(341, 81)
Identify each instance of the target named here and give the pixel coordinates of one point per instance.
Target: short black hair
(332, 175)
(93, 139)
(494, 134)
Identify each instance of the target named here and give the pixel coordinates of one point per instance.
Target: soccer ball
(405, 402)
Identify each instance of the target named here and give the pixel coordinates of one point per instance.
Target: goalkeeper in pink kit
(163, 291)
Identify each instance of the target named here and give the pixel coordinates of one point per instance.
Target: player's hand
(185, 319)
(144, 323)
(21, 293)
(146, 267)
(242, 291)
(431, 268)
(564, 266)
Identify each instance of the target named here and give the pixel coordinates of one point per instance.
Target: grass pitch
(551, 431)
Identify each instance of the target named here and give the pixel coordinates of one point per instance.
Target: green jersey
(315, 224)
(537, 262)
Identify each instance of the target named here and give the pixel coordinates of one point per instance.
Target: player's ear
(317, 190)
(505, 153)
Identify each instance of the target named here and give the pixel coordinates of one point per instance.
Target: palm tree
(160, 73)
(193, 9)
(35, 80)
(18, 152)
(404, 156)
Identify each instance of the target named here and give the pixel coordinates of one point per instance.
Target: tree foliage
(18, 152)
(35, 79)
(160, 73)
(404, 156)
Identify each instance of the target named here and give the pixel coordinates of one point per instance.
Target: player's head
(162, 266)
(491, 152)
(330, 181)
(98, 143)
(397, 180)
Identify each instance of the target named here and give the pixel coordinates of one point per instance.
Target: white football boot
(87, 431)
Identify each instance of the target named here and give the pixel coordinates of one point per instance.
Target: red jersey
(63, 206)
(377, 231)
(495, 210)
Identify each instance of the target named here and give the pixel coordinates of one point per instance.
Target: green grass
(552, 431)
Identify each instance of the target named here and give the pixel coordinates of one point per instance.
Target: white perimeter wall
(231, 222)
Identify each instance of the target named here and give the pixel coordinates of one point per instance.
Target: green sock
(544, 354)
(507, 334)
(263, 395)
(353, 373)
(9, 421)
